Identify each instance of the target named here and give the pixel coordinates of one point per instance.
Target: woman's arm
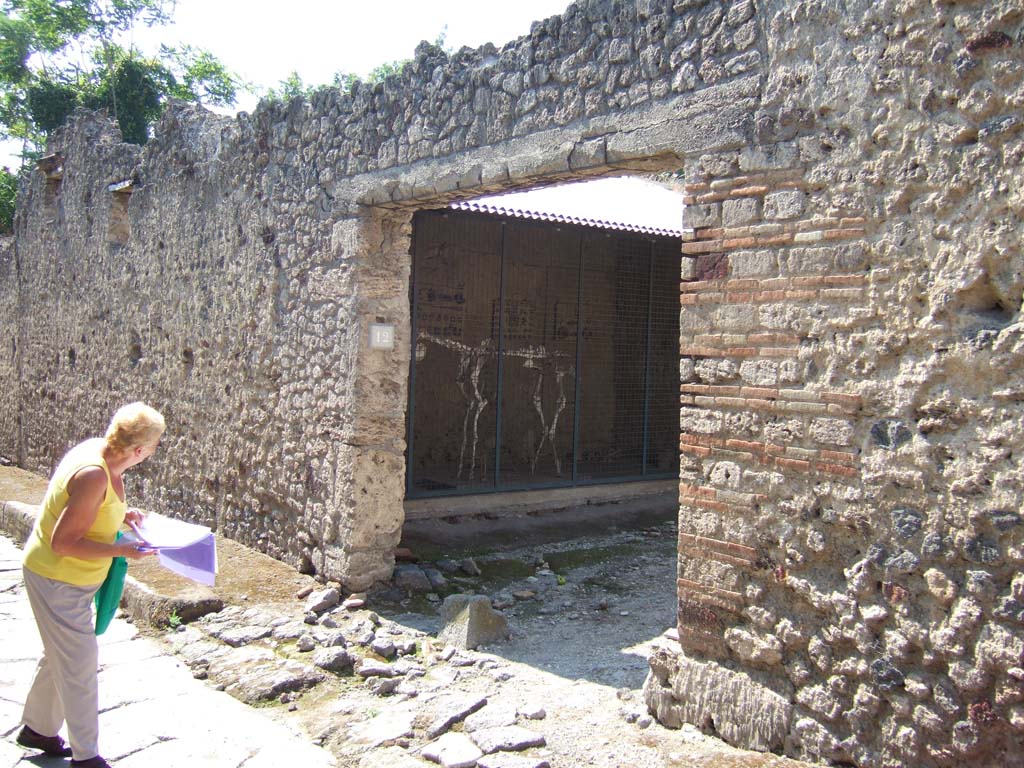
(86, 491)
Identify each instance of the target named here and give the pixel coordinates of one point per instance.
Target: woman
(67, 557)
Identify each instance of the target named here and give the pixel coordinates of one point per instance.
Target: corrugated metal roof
(621, 203)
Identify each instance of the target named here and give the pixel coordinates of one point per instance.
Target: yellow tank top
(39, 556)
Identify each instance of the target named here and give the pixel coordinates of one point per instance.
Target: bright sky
(265, 40)
(623, 200)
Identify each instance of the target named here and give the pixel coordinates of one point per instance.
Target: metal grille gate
(509, 390)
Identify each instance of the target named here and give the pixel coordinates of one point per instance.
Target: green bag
(108, 596)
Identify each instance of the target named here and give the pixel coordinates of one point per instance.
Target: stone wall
(850, 538)
(851, 348)
(9, 379)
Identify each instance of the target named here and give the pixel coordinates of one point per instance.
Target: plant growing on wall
(56, 55)
(293, 85)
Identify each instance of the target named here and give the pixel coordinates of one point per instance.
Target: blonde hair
(134, 425)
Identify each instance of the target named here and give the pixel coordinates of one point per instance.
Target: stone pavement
(152, 711)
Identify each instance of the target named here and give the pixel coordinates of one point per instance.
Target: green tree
(56, 55)
(8, 194)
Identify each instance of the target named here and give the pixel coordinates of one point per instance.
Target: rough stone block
(753, 648)
(745, 62)
(906, 522)
(808, 261)
(681, 690)
(17, 519)
(686, 369)
(587, 154)
(714, 371)
(470, 621)
(760, 373)
(739, 11)
(769, 158)
(720, 164)
(788, 204)
(753, 263)
(702, 216)
(890, 433)
(831, 431)
(744, 210)
(711, 266)
(735, 318)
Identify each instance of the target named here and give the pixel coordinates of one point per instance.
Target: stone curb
(17, 519)
(138, 600)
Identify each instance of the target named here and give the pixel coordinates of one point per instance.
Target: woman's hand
(133, 550)
(134, 516)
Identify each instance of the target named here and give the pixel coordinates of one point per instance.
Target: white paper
(167, 533)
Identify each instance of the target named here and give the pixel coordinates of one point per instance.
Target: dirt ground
(602, 578)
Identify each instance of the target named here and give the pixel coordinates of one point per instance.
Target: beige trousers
(64, 686)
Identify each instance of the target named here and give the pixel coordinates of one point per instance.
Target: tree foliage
(56, 55)
(8, 194)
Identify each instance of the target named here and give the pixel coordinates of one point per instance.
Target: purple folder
(197, 561)
(187, 549)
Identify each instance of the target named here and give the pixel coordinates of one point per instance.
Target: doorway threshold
(517, 503)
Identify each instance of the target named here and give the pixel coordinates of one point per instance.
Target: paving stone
(389, 757)
(408, 667)
(333, 659)
(453, 750)
(510, 738)
(239, 636)
(450, 710)
(385, 728)
(495, 715)
(508, 760)
(265, 677)
(374, 668)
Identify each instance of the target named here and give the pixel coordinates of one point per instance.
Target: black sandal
(49, 745)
